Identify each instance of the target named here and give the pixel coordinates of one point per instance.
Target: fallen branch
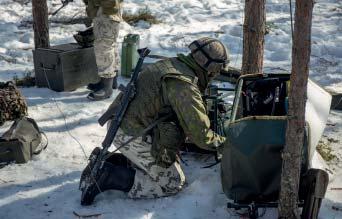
(336, 208)
(8, 59)
(336, 189)
(4, 181)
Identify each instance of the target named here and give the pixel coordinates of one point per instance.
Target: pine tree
(253, 36)
(301, 50)
(40, 24)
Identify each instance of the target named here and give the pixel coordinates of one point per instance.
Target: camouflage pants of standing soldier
(106, 31)
(151, 180)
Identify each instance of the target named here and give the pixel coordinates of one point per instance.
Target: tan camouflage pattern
(12, 103)
(106, 31)
(151, 180)
(215, 49)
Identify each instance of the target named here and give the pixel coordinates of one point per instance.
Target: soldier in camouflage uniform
(169, 87)
(12, 103)
(106, 17)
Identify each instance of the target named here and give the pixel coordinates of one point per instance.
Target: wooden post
(301, 50)
(40, 24)
(253, 36)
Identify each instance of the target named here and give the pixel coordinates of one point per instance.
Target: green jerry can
(129, 54)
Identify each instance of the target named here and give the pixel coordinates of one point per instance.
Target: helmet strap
(210, 60)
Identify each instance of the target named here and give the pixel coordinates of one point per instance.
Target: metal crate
(64, 67)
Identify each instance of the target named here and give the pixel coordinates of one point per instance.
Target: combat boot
(111, 177)
(116, 159)
(86, 172)
(103, 91)
(94, 86)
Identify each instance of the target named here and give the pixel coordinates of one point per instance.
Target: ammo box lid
(63, 48)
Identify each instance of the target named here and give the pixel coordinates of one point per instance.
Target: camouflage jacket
(170, 86)
(109, 7)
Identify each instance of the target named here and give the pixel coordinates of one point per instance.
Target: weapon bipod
(253, 207)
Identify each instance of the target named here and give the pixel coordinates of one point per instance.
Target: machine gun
(128, 94)
(64, 3)
(218, 112)
(218, 109)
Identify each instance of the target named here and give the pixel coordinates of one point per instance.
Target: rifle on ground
(64, 3)
(116, 115)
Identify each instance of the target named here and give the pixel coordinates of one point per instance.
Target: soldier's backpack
(21, 142)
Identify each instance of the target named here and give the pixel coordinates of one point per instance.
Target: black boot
(104, 90)
(94, 86)
(111, 177)
(86, 172)
(116, 159)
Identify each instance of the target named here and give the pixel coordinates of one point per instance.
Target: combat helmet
(210, 54)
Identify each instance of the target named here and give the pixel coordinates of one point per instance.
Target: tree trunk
(301, 50)
(253, 36)
(40, 24)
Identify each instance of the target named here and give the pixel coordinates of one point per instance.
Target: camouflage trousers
(106, 31)
(151, 180)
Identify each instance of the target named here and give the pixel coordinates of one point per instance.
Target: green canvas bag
(21, 142)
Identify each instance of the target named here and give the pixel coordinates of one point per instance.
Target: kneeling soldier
(148, 167)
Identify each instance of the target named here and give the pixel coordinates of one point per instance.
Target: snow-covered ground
(46, 187)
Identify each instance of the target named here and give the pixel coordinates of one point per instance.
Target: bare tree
(40, 24)
(301, 50)
(253, 36)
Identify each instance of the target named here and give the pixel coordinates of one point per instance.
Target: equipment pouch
(166, 141)
(21, 141)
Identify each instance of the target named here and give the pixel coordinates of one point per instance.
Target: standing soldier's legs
(106, 31)
(150, 180)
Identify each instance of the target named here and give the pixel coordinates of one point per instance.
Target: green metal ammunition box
(129, 54)
(64, 67)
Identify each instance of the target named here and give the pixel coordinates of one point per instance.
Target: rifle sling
(144, 132)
